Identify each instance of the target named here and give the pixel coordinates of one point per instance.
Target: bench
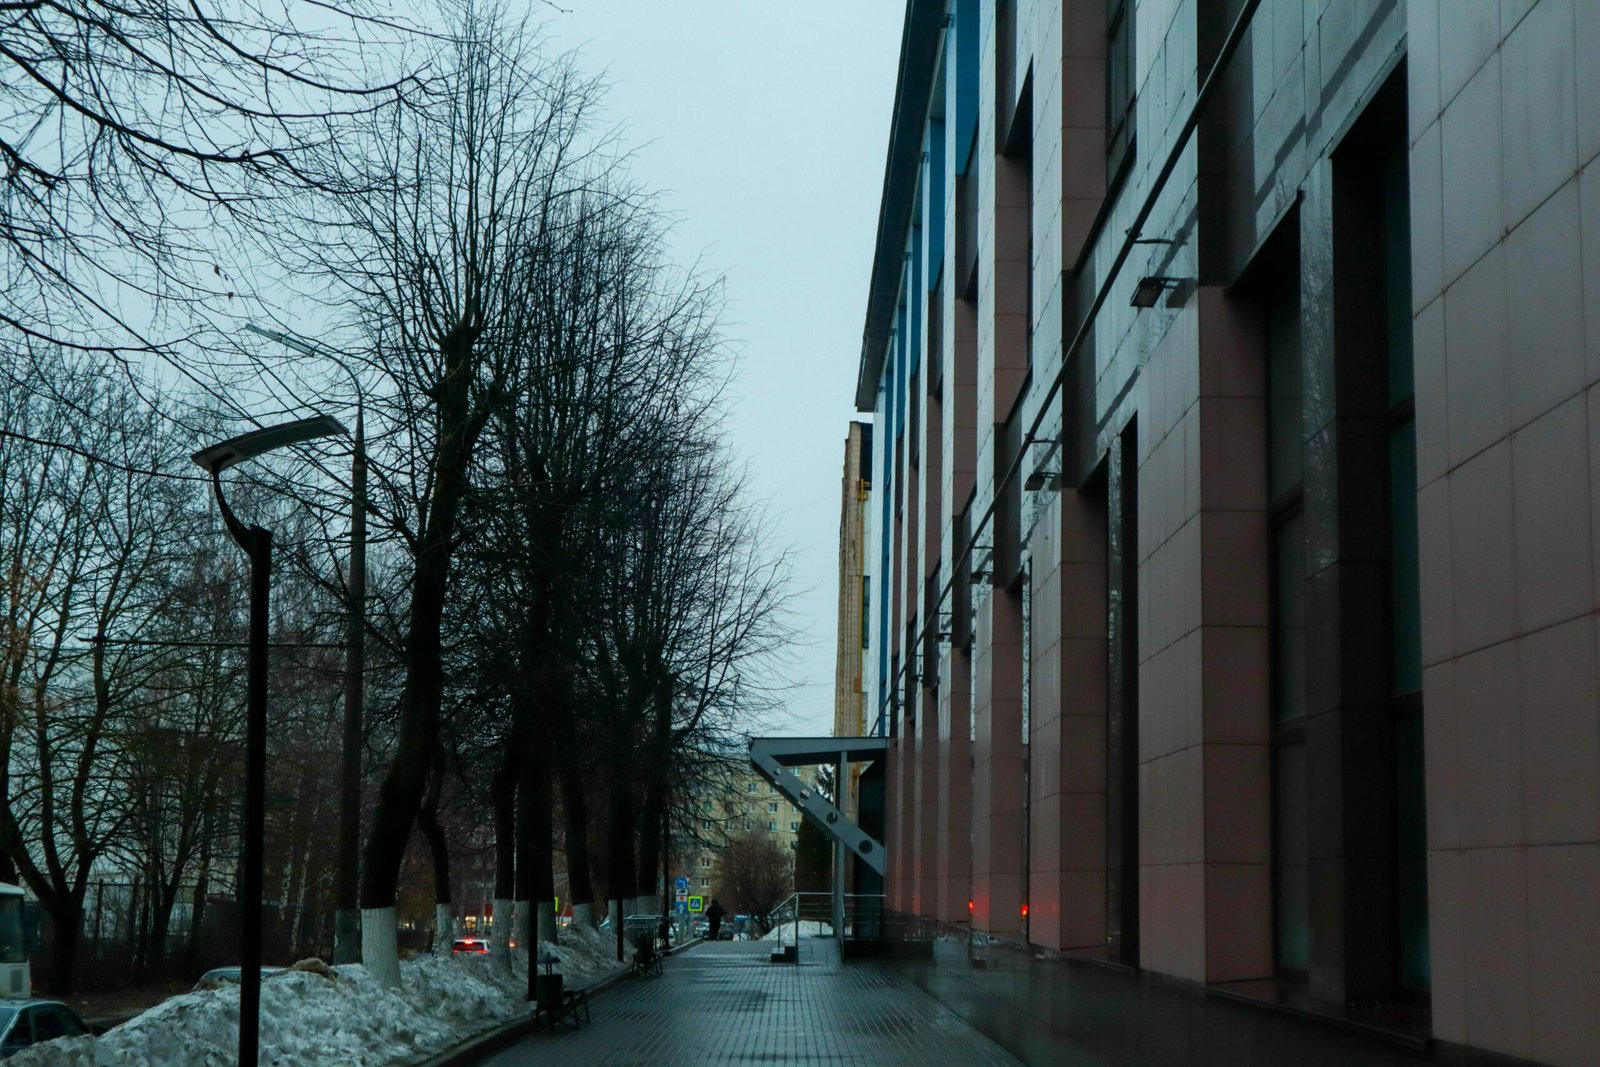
(566, 1012)
(646, 961)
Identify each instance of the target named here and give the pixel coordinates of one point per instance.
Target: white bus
(16, 983)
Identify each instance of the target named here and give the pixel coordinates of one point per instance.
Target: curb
(498, 1037)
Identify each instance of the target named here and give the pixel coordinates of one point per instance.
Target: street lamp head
(219, 457)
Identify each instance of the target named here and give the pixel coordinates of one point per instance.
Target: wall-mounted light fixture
(1042, 479)
(1150, 288)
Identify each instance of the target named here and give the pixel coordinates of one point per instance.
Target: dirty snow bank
(808, 928)
(323, 1015)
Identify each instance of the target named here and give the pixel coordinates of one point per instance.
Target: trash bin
(547, 986)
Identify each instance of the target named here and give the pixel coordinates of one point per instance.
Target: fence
(119, 944)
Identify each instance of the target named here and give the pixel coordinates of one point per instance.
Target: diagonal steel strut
(773, 756)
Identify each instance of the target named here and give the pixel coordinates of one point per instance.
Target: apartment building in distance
(855, 590)
(1233, 367)
(749, 805)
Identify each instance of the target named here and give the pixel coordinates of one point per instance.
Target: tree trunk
(580, 879)
(504, 793)
(160, 923)
(650, 817)
(438, 848)
(197, 925)
(541, 850)
(66, 921)
(400, 795)
(620, 851)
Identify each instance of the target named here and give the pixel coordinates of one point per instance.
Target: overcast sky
(766, 123)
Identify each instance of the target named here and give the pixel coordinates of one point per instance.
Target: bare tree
(433, 259)
(755, 874)
(127, 128)
(86, 547)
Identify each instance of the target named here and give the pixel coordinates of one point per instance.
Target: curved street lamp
(257, 544)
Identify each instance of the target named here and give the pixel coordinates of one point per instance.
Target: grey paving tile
(725, 1003)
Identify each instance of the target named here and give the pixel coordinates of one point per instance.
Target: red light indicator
(1024, 911)
(970, 907)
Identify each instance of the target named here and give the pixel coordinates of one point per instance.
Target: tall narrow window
(866, 608)
(1122, 691)
(1405, 599)
(1291, 911)
(1119, 86)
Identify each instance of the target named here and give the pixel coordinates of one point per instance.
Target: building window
(1291, 899)
(1120, 515)
(705, 863)
(773, 826)
(705, 883)
(752, 787)
(772, 805)
(1414, 971)
(705, 806)
(1120, 89)
(794, 827)
(705, 824)
(866, 608)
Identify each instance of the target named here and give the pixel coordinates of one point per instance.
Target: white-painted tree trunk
(519, 928)
(444, 929)
(501, 936)
(380, 948)
(583, 913)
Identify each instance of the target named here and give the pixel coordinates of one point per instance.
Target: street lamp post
(347, 915)
(257, 544)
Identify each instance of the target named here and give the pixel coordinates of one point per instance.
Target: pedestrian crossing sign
(697, 903)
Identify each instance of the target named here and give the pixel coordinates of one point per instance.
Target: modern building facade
(1234, 574)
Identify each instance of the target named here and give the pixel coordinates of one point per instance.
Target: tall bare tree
(128, 128)
(434, 259)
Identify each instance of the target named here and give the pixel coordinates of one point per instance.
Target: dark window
(914, 400)
(1414, 973)
(866, 609)
(1291, 879)
(1121, 518)
(20, 1034)
(1119, 86)
(46, 1024)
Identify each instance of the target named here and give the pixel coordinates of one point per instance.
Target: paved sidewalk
(725, 1003)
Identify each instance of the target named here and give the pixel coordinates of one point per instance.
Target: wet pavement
(726, 1003)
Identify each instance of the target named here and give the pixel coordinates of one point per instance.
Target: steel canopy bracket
(773, 756)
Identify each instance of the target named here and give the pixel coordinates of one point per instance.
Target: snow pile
(808, 928)
(322, 1015)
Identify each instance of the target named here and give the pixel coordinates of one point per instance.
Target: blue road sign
(682, 907)
(681, 883)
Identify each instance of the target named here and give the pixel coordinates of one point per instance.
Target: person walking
(714, 916)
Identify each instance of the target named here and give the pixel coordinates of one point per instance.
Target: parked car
(469, 946)
(24, 1023)
(228, 975)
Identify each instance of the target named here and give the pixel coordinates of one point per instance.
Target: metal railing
(862, 920)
